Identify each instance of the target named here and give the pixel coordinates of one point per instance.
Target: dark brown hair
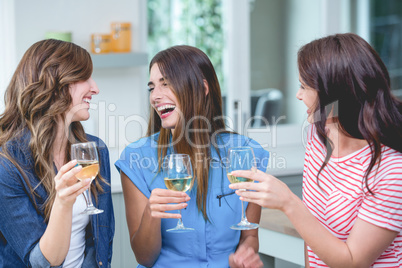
(36, 98)
(352, 80)
(186, 69)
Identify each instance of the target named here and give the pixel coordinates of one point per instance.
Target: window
(386, 36)
(187, 22)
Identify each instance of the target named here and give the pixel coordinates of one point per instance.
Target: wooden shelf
(119, 60)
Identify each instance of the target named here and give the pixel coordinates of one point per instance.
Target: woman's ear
(206, 87)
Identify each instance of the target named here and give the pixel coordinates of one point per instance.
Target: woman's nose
(94, 87)
(299, 94)
(156, 94)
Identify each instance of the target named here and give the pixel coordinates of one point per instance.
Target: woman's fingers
(255, 175)
(159, 211)
(162, 200)
(165, 215)
(67, 178)
(253, 261)
(246, 258)
(250, 195)
(167, 200)
(259, 176)
(65, 168)
(167, 207)
(75, 190)
(168, 193)
(244, 186)
(163, 196)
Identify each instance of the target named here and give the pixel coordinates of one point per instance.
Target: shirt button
(100, 263)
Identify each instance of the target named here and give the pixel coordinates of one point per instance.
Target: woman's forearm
(149, 234)
(330, 249)
(250, 241)
(55, 242)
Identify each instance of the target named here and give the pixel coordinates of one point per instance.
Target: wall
(307, 22)
(278, 28)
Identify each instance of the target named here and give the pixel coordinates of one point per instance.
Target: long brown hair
(186, 69)
(351, 79)
(36, 99)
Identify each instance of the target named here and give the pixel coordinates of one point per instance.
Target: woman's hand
(245, 257)
(68, 187)
(161, 200)
(269, 192)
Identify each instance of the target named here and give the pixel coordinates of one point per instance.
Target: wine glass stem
(89, 199)
(180, 222)
(243, 213)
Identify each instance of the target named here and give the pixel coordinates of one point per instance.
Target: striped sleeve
(384, 208)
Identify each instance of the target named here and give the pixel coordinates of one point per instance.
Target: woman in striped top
(351, 213)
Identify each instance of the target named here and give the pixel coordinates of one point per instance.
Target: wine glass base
(180, 230)
(244, 226)
(92, 211)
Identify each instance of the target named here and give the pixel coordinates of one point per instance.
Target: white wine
(89, 170)
(234, 179)
(179, 184)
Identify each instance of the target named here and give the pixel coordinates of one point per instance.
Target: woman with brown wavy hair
(350, 215)
(186, 118)
(49, 94)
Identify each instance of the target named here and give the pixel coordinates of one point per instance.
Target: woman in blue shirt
(40, 197)
(186, 117)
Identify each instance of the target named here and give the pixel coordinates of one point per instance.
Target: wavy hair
(186, 69)
(37, 97)
(352, 80)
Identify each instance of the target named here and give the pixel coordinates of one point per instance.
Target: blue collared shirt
(212, 241)
(22, 224)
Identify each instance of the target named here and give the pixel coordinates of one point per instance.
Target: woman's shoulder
(143, 145)
(230, 139)
(99, 142)
(18, 149)
(391, 156)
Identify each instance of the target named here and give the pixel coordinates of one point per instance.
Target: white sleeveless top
(75, 255)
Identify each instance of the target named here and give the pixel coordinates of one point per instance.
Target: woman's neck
(343, 145)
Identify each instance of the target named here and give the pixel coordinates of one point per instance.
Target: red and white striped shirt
(340, 195)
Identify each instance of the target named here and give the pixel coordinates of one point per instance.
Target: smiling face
(162, 99)
(310, 97)
(81, 94)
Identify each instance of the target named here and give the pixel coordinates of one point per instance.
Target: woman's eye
(150, 89)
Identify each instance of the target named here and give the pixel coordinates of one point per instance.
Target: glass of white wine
(86, 155)
(178, 174)
(241, 158)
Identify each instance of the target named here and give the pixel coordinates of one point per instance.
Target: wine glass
(241, 158)
(86, 155)
(178, 175)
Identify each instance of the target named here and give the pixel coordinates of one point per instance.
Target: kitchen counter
(279, 239)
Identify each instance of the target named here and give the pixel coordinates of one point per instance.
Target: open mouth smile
(165, 110)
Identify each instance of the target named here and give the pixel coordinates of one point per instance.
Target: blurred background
(252, 44)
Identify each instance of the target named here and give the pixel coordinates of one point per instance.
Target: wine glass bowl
(178, 176)
(241, 158)
(178, 184)
(88, 171)
(86, 155)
